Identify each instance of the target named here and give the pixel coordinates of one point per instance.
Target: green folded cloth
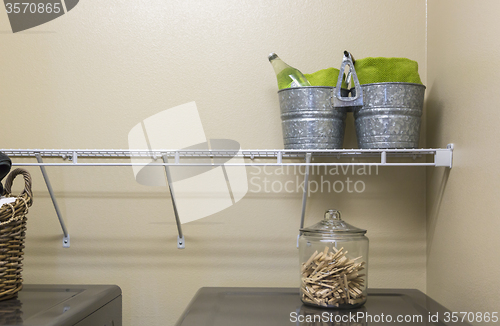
(324, 77)
(383, 70)
(369, 70)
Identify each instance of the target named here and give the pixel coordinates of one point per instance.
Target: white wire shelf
(279, 157)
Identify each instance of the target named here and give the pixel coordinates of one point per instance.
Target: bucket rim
(392, 83)
(309, 87)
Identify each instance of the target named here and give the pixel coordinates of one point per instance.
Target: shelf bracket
(383, 158)
(66, 242)
(181, 243)
(304, 195)
(444, 157)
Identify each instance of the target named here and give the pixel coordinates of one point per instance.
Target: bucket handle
(349, 102)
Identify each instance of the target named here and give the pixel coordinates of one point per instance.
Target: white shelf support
(444, 157)
(305, 194)
(306, 189)
(66, 242)
(181, 243)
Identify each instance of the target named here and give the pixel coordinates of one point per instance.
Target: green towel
(324, 77)
(382, 70)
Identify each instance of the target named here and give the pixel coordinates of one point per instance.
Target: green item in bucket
(324, 77)
(384, 70)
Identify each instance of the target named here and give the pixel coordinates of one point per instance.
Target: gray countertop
(62, 305)
(219, 306)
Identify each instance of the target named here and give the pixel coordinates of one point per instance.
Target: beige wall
(462, 107)
(85, 79)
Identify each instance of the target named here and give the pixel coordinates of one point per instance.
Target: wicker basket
(12, 235)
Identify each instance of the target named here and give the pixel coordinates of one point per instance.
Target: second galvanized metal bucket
(390, 116)
(309, 120)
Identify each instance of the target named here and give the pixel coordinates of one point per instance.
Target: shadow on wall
(434, 201)
(207, 250)
(437, 178)
(434, 118)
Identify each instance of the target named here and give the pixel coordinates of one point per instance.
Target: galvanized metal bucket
(313, 117)
(390, 116)
(309, 120)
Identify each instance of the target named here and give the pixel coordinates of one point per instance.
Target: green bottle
(287, 76)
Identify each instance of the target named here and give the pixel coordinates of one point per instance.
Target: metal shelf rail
(278, 157)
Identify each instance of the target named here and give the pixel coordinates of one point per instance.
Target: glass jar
(333, 258)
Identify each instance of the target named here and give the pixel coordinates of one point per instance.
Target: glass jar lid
(331, 224)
